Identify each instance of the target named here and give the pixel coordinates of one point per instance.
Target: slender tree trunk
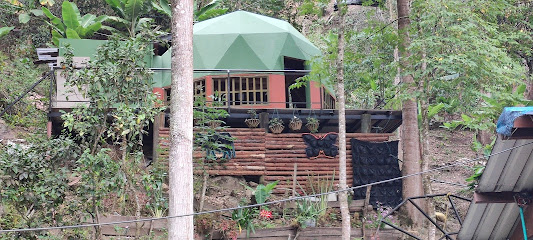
(425, 166)
(343, 198)
(181, 134)
(528, 64)
(412, 186)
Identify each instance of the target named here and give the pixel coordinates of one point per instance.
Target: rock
(5, 132)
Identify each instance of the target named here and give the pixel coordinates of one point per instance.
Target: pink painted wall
(160, 92)
(276, 88)
(314, 93)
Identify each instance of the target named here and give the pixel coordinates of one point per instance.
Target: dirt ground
(446, 148)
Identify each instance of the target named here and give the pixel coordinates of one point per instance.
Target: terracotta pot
(295, 124)
(252, 122)
(276, 128)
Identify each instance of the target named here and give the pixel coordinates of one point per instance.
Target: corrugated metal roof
(510, 171)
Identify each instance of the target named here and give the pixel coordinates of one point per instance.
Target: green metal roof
(238, 40)
(243, 40)
(248, 41)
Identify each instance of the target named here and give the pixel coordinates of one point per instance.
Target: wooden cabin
(249, 61)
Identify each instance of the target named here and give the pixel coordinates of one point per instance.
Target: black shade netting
(374, 162)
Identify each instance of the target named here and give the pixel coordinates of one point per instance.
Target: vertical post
(155, 136)
(228, 98)
(52, 80)
(321, 99)
(49, 125)
(366, 123)
(295, 172)
(49, 128)
(263, 120)
(365, 210)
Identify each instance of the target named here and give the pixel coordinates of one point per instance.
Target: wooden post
(294, 179)
(366, 123)
(365, 210)
(155, 136)
(49, 129)
(263, 120)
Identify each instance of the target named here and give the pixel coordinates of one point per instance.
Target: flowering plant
(265, 214)
(374, 220)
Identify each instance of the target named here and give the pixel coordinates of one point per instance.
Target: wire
(261, 204)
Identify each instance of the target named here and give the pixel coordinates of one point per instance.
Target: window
(328, 101)
(199, 88)
(244, 90)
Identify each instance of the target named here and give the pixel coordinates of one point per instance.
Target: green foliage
(17, 76)
(310, 7)
(153, 183)
(477, 60)
(262, 192)
(24, 9)
(321, 70)
(129, 21)
(271, 8)
(474, 179)
(307, 210)
(207, 120)
(210, 10)
(252, 113)
(275, 122)
(35, 184)
(99, 175)
(490, 107)
(432, 111)
(5, 30)
(122, 105)
(244, 218)
(72, 25)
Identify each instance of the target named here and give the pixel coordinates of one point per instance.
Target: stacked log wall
(274, 156)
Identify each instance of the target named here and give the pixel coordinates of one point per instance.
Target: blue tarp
(506, 120)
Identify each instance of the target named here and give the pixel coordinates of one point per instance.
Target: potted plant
(307, 213)
(253, 121)
(276, 125)
(214, 123)
(312, 124)
(295, 124)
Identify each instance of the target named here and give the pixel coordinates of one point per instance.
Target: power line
(258, 205)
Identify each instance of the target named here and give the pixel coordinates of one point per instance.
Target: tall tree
(341, 100)
(412, 186)
(181, 123)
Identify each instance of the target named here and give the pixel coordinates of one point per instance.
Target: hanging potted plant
(253, 121)
(276, 125)
(214, 123)
(295, 124)
(312, 124)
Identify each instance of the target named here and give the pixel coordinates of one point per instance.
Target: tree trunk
(181, 127)
(425, 166)
(528, 62)
(343, 198)
(412, 186)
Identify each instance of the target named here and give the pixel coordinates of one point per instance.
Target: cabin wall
(274, 157)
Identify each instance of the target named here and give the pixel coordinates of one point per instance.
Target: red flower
(265, 214)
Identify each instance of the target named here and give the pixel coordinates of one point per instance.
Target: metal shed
(494, 214)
